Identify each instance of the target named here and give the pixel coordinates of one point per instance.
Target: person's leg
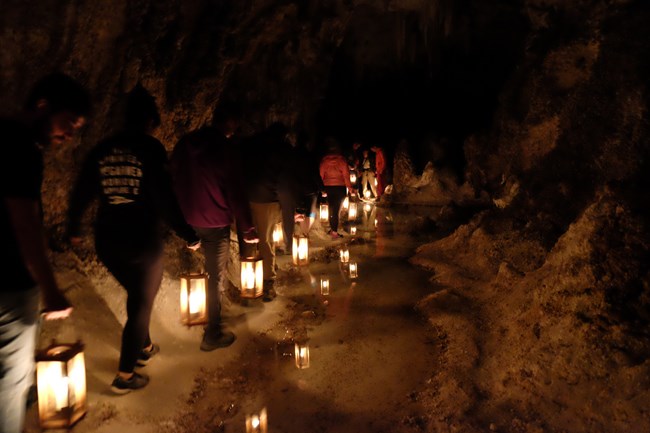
(215, 243)
(335, 197)
(18, 325)
(371, 182)
(265, 216)
(364, 183)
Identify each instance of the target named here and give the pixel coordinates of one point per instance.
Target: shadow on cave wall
(432, 79)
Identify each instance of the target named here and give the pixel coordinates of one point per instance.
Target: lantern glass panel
(300, 250)
(252, 278)
(193, 299)
(61, 383)
(278, 235)
(346, 203)
(324, 213)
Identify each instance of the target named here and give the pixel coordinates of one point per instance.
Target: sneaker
(146, 355)
(211, 342)
(334, 234)
(124, 386)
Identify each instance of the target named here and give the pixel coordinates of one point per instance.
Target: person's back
(334, 171)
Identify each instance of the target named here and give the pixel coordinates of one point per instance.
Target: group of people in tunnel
(213, 182)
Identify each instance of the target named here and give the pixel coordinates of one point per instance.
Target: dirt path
(369, 354)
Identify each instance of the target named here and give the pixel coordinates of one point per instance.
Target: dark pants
(335, 197)
(140, 274)
(215, 242)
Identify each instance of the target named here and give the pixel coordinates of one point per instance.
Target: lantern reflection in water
(300, 250)
(61, 383)
(302, 355)
(353, 271)
(324, 286)
(193, 299)
(344, 254)
(367, 207)
(257, 423)
(353, 230)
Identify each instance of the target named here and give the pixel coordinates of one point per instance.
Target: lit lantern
(353, 178)
(367, 207)
(324, 286)
(194, 299)
(61, 383)
(257, 423)
(353, 230)
(352, 211)
(354, 273)
(252, 278)
(375, 181)
(324, 213)
(346, 203)
(344, 253)
(277, 234)
(375, 222)
(367, 193)
(300, 250)
(302, 355)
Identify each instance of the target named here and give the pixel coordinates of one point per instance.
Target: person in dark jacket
(54, 111)
(207, 178)
(128, 172)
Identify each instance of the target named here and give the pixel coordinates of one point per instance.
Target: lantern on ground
(346, 203)
(252, 278)
(61, 383)
(300, 250)
(353, 230)
(352, 211)
(302, 355)
(354, 271)
(277, 234)
(324, 286)
(344, 254)
(194, 309)
(257, 423)
(324, 213)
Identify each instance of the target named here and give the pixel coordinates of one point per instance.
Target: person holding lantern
(128, 172)
(336, 178)
(207, 177)
(55, 110)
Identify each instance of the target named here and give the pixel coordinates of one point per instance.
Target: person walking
(55, 110)
(380, 167)
(336, 178)
(128, 172)
(207, 178)
(368, 174)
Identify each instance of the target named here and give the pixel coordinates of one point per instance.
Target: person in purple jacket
(210, 191)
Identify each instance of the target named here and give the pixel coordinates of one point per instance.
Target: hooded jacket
(334, 171)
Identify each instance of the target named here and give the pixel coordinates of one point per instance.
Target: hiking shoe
(211, 342)
(146, 355)
(124, 386)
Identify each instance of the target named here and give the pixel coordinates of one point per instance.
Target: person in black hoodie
(129, 174)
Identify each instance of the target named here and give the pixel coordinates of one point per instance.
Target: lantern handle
(60, 330)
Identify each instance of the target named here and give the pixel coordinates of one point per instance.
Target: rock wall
(543, 300)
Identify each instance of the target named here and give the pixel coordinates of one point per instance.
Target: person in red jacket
(380, 167)
(336, 178)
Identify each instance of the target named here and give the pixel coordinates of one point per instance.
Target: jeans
(18, 325)
(140, 273)
(215, 242)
